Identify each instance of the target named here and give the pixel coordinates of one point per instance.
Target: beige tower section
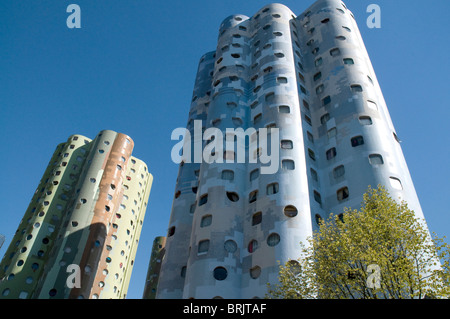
(94, 219)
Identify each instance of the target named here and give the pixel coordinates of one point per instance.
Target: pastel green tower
(79, 235)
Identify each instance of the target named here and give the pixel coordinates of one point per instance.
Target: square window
(227, 175)
(342, 194)
(395, 183)
(357, 140)
(320, 89)
(284, 109)
(286, 144)
(372, 105)
(257, 118)
(288, 164)
(206, 221)
(23, 295)
(326, 100)
(376, 159)
(335, 52)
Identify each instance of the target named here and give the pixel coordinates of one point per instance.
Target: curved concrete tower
(308, 80)
(79, 235)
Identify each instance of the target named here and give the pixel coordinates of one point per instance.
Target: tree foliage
(379, 251)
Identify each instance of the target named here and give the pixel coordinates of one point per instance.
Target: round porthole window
(273, 239)
(230, 246)
(220, 273)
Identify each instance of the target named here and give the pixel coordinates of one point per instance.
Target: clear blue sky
(141, 56)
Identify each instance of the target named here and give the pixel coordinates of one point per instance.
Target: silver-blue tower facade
(310, 77)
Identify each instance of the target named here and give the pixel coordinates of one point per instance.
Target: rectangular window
(317, 76)
(324, 118)
(203, 246)
(313, 174)
(335, 52)
(339, 171)
(203, 200)
(257, 118)
(256, 218)
(331, 153)
(326, 100)
(252, 196)
(303, 90)
(254, 174)
(311, 154)
(349, 61)
(357, 140)
(342, 194)
(288, 164)
(281, 79)
(376, 159)
(365, 120)
(284, 109)
(227, 175)
(318, 62)
(356, 88)
(272, 188)
(206, 221)
(286, 144)
(332, 132)
(372, 105)
(319, 89)
(317, 197)
(269, 97)
(308, 120)
(396, 183)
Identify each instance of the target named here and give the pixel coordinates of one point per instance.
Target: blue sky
(141, 56)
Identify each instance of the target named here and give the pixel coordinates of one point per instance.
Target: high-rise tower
(154, 267)
(310, 77)
(79, 235)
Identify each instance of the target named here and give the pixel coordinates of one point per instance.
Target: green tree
(379, 251)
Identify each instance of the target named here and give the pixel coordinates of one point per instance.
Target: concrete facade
(154, 268)
(310, 76)
(84, 219)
